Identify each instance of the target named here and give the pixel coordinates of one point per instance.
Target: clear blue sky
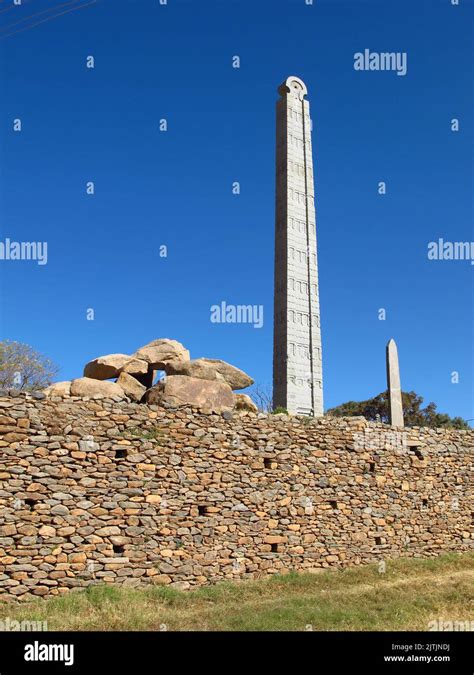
(175, 187)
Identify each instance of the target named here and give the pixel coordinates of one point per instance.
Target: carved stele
(394, 386)
(297, 359)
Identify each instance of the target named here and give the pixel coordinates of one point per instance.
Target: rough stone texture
(211, 369)
(131, 386)
(194, 368)
(244, 402)
(116, 492)
(395, 406)
(105, 367)
(135, 374)
(160, 352)
(181, 390)
(135, 367)
(297, 360)
(59, 389)
(87, 386)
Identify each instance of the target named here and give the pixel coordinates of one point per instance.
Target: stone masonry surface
(297, 357)
(103, 491)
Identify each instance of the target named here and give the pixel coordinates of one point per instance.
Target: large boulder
(110, 366)
(244, 402)
(135, 367)
(195, 368)
(131, 386)
(211, 369)
(58, 389)
(87, 386)
(180, 390)
(160, 352)
(106, 367)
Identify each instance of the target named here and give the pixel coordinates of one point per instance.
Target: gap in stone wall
(415, 449)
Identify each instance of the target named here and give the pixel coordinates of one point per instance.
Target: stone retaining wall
(102, 491)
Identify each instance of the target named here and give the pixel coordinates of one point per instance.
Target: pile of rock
(206, 384)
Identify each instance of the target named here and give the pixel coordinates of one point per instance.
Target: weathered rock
(180, 390)
(7, 530)
(234, 377)
(160, 352)
(106, 367)
(244, 402)
(135, 367)
(108, 531)
(59, 389)
(160, 579)
(47, 531)
(88, 444)
(131, 386)
(211, 369)
(194, 368)
(86, 386)
(38, 395)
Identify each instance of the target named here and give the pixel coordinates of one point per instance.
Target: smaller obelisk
(393, 384)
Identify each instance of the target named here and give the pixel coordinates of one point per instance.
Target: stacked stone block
(102, 491)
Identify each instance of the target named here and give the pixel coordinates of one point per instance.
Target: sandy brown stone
(131, 386)
(244, 402)
(211, 369)
(106, 367)
(59, 389)
(86, 386)
(135, 367)
(160, 352)
(179, 390)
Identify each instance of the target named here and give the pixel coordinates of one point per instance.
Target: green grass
(407, 596)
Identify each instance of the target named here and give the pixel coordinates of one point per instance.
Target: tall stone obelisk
(297, 359)
(395, 407)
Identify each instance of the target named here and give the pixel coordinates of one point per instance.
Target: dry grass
(407, 596)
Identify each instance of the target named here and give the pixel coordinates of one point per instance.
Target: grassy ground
(407, 596)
